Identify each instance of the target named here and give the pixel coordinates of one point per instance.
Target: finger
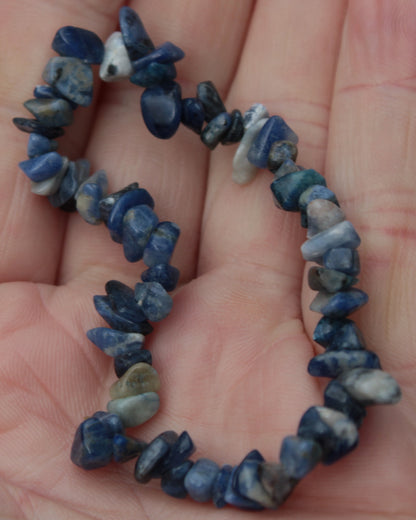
(32, 232)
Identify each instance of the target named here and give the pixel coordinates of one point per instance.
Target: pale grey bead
(254, 114)
(139, 379)
(135, 410)
(116, 63)
(341, 425)
(243, 170)
(276, 482)
(51, 185)
(250, 485)
(322, 214)
(371, 386)
(342, 234)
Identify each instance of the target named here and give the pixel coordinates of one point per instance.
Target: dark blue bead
(161, 244)
(138, 224)
(153, 300)
(106, 310)
(78, 43)
(135, 37)
(215, 130)
(275, 129)
(123, 301)
(199, 481)
(125, 202)
(288, 189)
(233, 497)
(236, 131)
(42, 167)
(211, 101)
(165, 274)
(299, 456)
(123, 362)
(75, 175)
(178, 453)
(115, 343)
(254, 455)
(48, 92)
(111, 421)
(38, 144)
(33, 126)
(342, 259)
(161, 109)
(338, 334)
(167, 53)
(107, 203)
(50, 112)
(172, 481)
(339, 305)
(126, 448)
(220, 486)
(337, 398)
(281, 151)
(193, 114)
(333, 362)
(322, 279)
(154, 74)
(89, 195)
(153, 455)
(341, 234)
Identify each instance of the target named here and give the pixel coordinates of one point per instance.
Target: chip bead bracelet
(326, 432)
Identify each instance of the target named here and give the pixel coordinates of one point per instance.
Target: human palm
(232, 355)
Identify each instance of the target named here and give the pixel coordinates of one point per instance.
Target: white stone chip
(116, 63)
(243, 170)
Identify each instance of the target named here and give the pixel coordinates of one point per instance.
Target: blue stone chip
(153, 300)
(161, 109)
(172, 482)
(123, 362)
(138, 224)
(135, 37)
(116, 343)
(42, 167)
(193, 114)
(199, 481)
(78, 43)
(153, 455)
(165, 274)
(33, 126)
(288, 189)
(211, 101)
(337, 398)
(339, 305)
(38, 144)
(299, 456)
(50, 112)
(161, 244)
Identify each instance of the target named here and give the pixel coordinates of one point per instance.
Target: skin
(232, 355)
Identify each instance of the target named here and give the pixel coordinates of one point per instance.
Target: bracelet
(326, 432)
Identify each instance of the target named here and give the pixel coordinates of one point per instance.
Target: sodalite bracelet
(326, 432)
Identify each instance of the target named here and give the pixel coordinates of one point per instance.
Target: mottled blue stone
(172, 482)
(135, 409)
(127, 201)
(107, 203)
(281, 151)
(153, 300)
(126, 448)
(333, 362)
(338, 334)
(192, 114)
(236, 131)
(215, 130)
(233, 497)
(167, 53)
(105, 308)
(75, 175)
(42, 167)
(38, 144)
(342, 234)
(180, 450)
(161, 244)
(339, 305)
(78, 43)
(88, 197)
(123, 301)
(287, 189)
(312, 193)
(220, 486)
(48, 92)
(334, 431)
(115, 343)
(337, 398)
(124, 361)
(322, 279)
(71, 77)
(135, 37)
(275, 129)
(33, 126)
(161, 109)
(371, 386)
(50, 112)
(288, 166)
(299, 456)
(111, 421)
(342, 259)
(153, 455)
(199, 481)
(154, 74)
(165, 274)
(211, 101)
(138, 224)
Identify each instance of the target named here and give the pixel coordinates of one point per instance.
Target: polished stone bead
(88, 197)
(336, 334)
(288, 166)
(254, 114)
(165, 274)
(276, 482)
(106, 309)
(233, 497)
(38, 144)
(51, 185)
(75, 175)
(138, 379)
(236, 131)
(314, 192)
(153, 300)
(322, 214)
(135, 36)
(161, 109)
(136, 409)
(211, 101)
(33, 126)
(342, 259)
(337, 398)
(116, 343)
(180, 450)
(138, 224)
(71, 77)
(215, 130)
(342, 234)
(220, 485)
(243, 170)
(339, 305)
(287, 189)
(172, 481)
(78, 43)
(248, 484)
(42, 167)
(123, 301)
(126, 448)
(48, 92)
(334, 362)
(192, 114)
(281, 151)
(371, 386)
(111, 421)
(333, 430)
(299, 456)
(50, 112)
(116, 63)
(161, 244)
(154, 74)
(107, 203)
(124, 361)
(199, 481)
(153, 455)
(167, 53)
(274, 130)
(322, 279)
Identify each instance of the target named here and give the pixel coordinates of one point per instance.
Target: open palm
(232, 355)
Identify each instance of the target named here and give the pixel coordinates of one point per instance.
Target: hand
(232, 355)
